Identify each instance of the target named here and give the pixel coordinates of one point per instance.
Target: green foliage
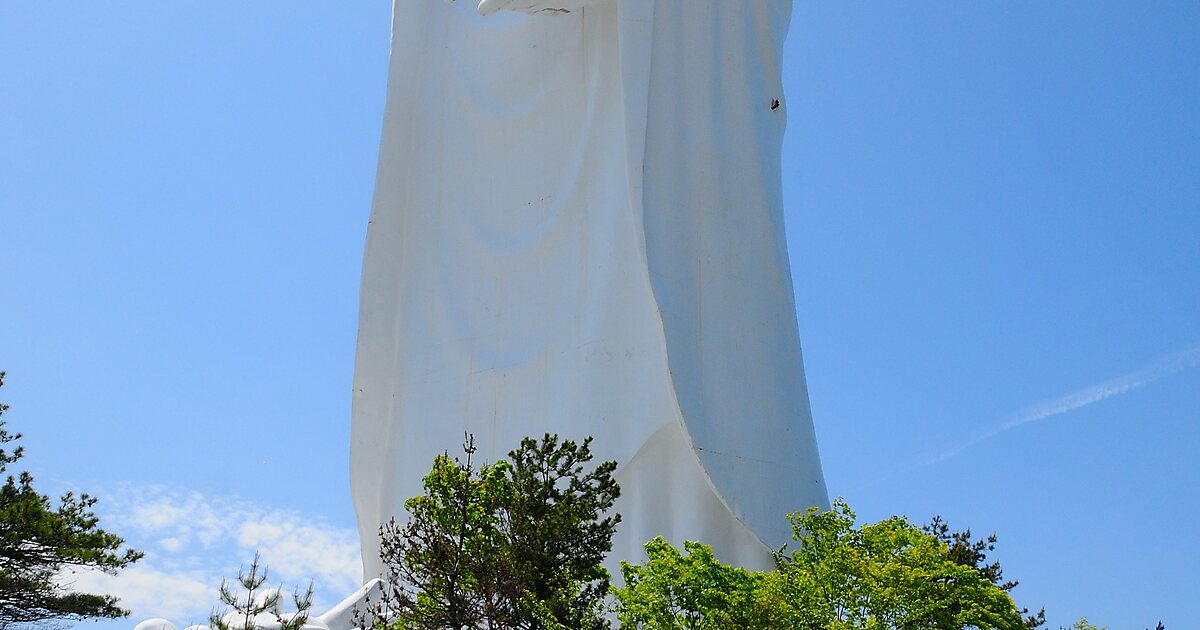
(557, 531)
(520, 544)
(515, 544)
(40, 543)
(973, 553)
(256, 607)
(446, 564)
(692, 590)
(888, 574)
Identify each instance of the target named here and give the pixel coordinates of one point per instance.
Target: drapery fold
(577, 229)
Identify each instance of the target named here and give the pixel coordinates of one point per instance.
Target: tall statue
(578, 229)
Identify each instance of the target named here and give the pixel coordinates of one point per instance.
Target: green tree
(974, 553)
(558, 534)
(691, 590)
(839, 576)
(888, 574)
(41, 543)
(447, 565)
(514, 544)
(256, 607)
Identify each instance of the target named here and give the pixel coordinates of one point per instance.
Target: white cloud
(193, 541)
(187, 516)
(300, 550)
(184, 596)
(1160, 368)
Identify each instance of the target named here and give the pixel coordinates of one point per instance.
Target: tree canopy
(838, 576)
(517, 543)
(520, 543)
(971, 552)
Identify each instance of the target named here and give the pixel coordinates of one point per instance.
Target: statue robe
(578, 229)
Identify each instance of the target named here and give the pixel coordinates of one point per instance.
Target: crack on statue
(743, 457)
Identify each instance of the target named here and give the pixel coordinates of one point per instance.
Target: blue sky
(994, 219)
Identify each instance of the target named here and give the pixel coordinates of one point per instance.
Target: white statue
(578, 229)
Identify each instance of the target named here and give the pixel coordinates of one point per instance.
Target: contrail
(1160, 368)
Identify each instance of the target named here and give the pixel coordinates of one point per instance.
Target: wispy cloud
(299, 550)
(1160, 368)
(192, 541)
(148, 592)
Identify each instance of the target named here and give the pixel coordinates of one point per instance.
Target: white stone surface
(340, 617)
(156, 624)
(578, 229)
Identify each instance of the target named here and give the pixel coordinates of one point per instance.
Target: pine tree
(515, 544)
(974, 553)
(255, 606)
(40, 542)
